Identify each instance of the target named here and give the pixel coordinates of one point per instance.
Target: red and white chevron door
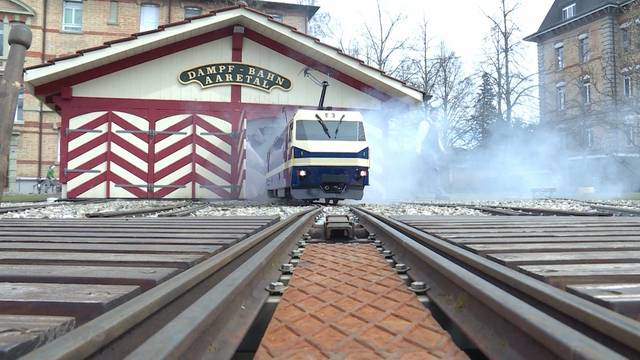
(128, 167)
(113, 154)
(213, 160)
(173, 157)
(86, 155)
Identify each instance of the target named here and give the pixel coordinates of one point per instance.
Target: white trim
(561, 84)
(240, 16)
(583, 36)
(558, 45)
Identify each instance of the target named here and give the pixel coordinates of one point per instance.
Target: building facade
(588, 52)
(60, 27)
(188, 110)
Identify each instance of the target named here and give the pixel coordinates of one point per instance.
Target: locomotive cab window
(332, 130)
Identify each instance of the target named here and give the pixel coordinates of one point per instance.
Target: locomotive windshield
(337, 130)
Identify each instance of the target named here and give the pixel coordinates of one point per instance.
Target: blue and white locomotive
(321, 154)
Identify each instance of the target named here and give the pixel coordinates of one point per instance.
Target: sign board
(234, 74)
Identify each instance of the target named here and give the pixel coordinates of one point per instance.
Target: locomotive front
(327, 156)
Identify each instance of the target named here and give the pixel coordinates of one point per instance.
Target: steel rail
(615, 209)
(144, 211)
(610, 326)
(556, 212)
(8, 209)
(497, 211)
(232, 305)
(184, 212)
(520, 211)
(94, 336)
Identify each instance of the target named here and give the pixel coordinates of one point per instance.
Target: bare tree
(321, 26)
(421, 68)
(381, 41)
(453, 92)
(511, 84)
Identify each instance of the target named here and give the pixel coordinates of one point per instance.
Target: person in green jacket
(51, 172)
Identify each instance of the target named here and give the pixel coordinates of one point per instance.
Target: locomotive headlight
(302, 173)
(363, 173)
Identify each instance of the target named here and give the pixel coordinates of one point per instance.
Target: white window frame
(586, 90)
(149, 5)
(74, 6)
(584, 48)
(114, 9)
(560, 57)
(589, 134)
(192, 7)
(625, 38)
(569, 12)
(627, 86)
(561, 96)
(19, 116)
(629, 134)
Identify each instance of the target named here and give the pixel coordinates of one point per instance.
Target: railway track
(618, 210)
(148, 288)
(136, 276)
(183, 209)
(504, 210)
(174, 210)
(39, 205)
(494, 303)
(17, 208)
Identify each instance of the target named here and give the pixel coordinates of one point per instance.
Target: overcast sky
(461, 24)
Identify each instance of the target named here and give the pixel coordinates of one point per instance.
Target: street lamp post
(10, 85)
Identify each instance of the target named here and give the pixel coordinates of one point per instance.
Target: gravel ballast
(247, 208)
(422, 210)
(78, 210)
(70, 210)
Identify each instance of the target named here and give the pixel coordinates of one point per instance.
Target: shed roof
(138, 43)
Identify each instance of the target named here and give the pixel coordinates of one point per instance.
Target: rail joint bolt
(418, 287)
(402, 268)
(286, 268)
(276, 288)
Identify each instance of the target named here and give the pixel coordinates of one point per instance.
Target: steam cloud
(409, 163)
